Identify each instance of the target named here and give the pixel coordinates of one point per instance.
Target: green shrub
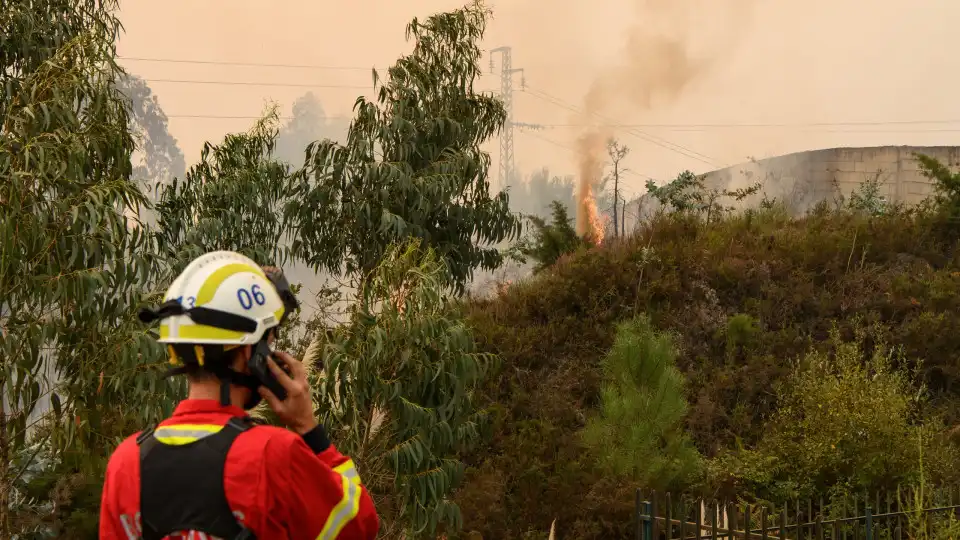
(639, 432)
(946, 186)
(688, 193)
(867, 198)
(848, 417)
(740, 330)
(548, 241)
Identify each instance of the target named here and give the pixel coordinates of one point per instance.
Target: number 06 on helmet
(226, 299)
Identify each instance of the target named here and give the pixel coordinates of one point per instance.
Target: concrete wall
(805, 178)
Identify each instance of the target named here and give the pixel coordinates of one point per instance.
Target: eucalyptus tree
(411, 165)
(403, 207)
(158, 158)
(309, 122)
(71, 258)
(162, 158)
(398, 390)
(547, 242)
(232, 199)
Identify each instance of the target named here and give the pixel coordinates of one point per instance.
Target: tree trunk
(623, 219)
(616, 197)
(5, 487)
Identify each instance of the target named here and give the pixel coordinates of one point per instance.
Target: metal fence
(900, 515)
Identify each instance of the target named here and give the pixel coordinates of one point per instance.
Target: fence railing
(891, 516)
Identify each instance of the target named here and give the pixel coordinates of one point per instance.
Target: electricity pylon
(506, 93)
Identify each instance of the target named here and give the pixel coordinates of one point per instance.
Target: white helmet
(222, 301)
(237, 302)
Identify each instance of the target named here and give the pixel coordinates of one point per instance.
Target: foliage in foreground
(688, 194)
(70, 264)
(397, 387)
(412, 164)
(232, 199)
(77, 264)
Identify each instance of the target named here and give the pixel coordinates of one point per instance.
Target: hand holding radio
(296, 410)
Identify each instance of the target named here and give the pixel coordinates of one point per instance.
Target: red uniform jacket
(275, 485)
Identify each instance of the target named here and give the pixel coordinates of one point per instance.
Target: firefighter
(210, 471)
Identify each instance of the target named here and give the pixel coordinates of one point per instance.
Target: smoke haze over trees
(309, 123)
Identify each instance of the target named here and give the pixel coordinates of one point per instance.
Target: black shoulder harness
(181, 485)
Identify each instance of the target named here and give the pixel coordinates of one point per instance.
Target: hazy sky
(867, 71)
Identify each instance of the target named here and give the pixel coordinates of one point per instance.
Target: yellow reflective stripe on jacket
(347, 469)
(179, 434)
(344, 511)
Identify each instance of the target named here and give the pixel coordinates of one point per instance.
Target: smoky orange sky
(815, 73)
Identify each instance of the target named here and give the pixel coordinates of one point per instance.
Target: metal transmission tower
(506, 93)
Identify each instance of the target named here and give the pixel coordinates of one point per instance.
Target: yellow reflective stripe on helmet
(200, 332)
(344, 511)
(349, 470)
(213, 282)
(279, 313)
(180, 434)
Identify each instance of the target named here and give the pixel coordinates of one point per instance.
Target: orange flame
(594, 223)
(590, 155)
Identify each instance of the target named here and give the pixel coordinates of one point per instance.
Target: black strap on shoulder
(146, 441)
(145, 434)
(182, 486)
(241, 423)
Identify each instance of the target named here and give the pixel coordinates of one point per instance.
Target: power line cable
(228, 117)
(252, 64)
(888, 130)
(256, 83)
(245, 117)
(551, 141)
(247, 64)
(558, 102)
(574, 150)
(271, 84)
(216, 117)
(688, 152)
(705, 127)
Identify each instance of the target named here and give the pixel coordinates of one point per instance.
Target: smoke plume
(660, 59)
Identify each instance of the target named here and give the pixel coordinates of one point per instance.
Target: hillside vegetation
(819, 356)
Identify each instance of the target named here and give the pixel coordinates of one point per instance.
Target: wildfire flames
(656, 65)
(590, 154)
(589, 224)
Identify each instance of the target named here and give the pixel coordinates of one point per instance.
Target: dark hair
(189, 360)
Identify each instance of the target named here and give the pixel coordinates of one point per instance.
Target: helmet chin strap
(229, 376)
